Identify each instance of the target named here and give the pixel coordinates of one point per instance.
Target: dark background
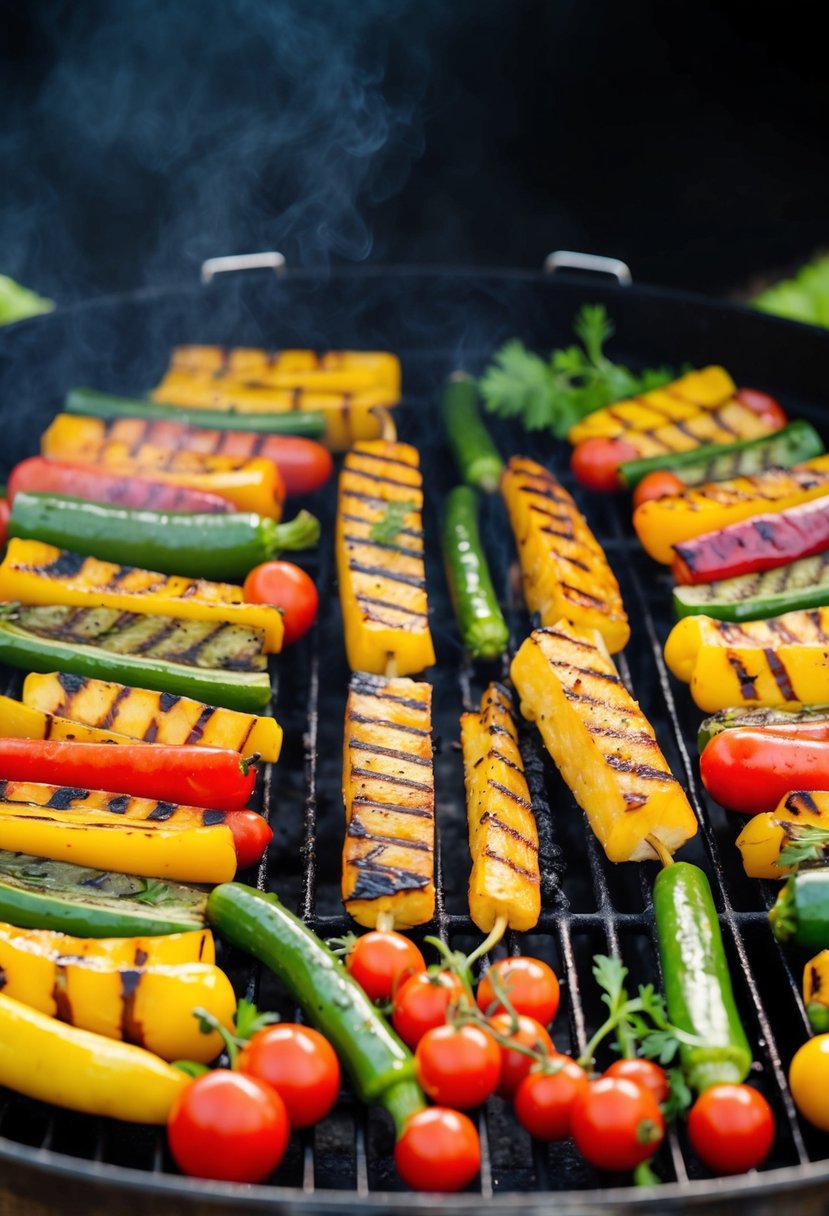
(141, 136)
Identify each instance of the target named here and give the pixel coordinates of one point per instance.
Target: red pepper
(5, 512)
(750, 771)
(42, 476)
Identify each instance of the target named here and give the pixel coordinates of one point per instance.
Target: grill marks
(388, 789)
(683, 401)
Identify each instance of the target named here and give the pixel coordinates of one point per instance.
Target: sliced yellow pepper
(764, 837)
(683, 398)
(194, 946)
(334, 371)
(18, 721)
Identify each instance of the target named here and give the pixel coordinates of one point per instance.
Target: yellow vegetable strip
(681, 399)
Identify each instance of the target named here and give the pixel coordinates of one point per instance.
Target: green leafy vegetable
(805, 842)
(18, 302)
(555, 394)
(386, 529)
(805, 297)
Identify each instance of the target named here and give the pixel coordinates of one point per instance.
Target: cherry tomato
(731, 1128)
(769, 409)
(251, 836)
(595, 462)
(5, 512)
(516, 1064)
(458, 1066)
(439, 1150)
(531, 987)
(288, 588)
(642, 1072)
(299, 1064)
(421, 1003)
(809, 1080)
(380, 961)
(228, 1126)
(658, 484)
(616, 1124)
(545, 1097)
(304, 464)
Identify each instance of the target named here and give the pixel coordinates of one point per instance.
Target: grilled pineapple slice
(563, 567)
(503, 838)
(379, 540)
(388, 789)
(601, 742)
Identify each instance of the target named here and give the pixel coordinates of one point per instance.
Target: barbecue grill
(437, 321)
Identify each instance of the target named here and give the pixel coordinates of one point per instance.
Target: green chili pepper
(698, 992)
(380, 1066)
(94, 404)
(479, 461)
(480, 619)
(223, 547)
(801, 912)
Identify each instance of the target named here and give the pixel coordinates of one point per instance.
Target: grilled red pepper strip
(39, 475)
(763, 542)
(750, 771)
(198, 776)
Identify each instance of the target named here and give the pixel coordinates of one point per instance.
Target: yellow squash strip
(152, 717)
(780, 661)
(47, 1060)
(563, 567)
(18, 721)
(764, 837)
(681, 399)
(379, 541)
(389, 796)
(195, 946)
(601, 742)
(664, 522)
(503, 838)
(729, 423)
(333, 371)
(37, 573)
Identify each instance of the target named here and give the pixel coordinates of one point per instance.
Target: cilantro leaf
(386, 529)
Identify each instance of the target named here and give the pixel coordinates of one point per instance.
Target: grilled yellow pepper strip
(153, 717)
(71, 800)
(389, 796)
(36, 573)
(563, 567)
(18, 721)
(195, 946)
(601, 742)
(382, 578)
(52, 1062)
(503, 838)
(664, 522)
(683, 398)
(816, 991)
(333, 371)
(764, 837)
(781, 661)
(728, 423)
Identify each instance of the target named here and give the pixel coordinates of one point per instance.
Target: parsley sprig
(804, 842)
(387, 528)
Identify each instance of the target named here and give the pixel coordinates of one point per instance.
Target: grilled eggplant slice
(503, 838)
(382, 578)
(563, 567)
(601, 742)
(681, 399)
(388, 789)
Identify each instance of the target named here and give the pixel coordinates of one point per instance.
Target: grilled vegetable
(481, 622)
(750, 771)
(663, 523)
(380, 566)
(195, 946)
(478, 460)
(681, 399)
(48, 1060)
(503, 838)
(697, 984)
(333, 371)
(194, 545)
(601, 742)
(792, 444)
(40, 894)
(39, 476)
(35, 573)
(768, 835)
(812, 723)
(763, 542)
(218, 664)
(801, 912)
(750, 597)
(388, 789)
(816, 991)
(19, 721)
(563, 568)
(380, 1067)
(152, 717)
(775, 662)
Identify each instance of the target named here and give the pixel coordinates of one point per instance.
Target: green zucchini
(762, 718)
(39, 894)
(478, 460)
(93, 404)
(754, 597)
(717, 461)
(801, 912)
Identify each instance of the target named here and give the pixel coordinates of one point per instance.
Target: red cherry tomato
(616, 1124)
(288, 588)
(516, 1064)
(380, 961)
(299, 1064)
(251, 836)
(769, 409)
(544, 1099)
(5, 512)
(642, 1072)
(530, 986)
(421, 1003)
(595, 462)
(458, 1066)
(227, 1126)
(658, 484)
(439, 1150)
(304, 464)
(731, 1128)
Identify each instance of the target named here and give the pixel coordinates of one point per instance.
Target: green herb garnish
(155, 892)
(805, 842)
(386, 529)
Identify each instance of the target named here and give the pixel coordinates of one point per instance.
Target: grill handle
(269, 260)
(592, 263)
